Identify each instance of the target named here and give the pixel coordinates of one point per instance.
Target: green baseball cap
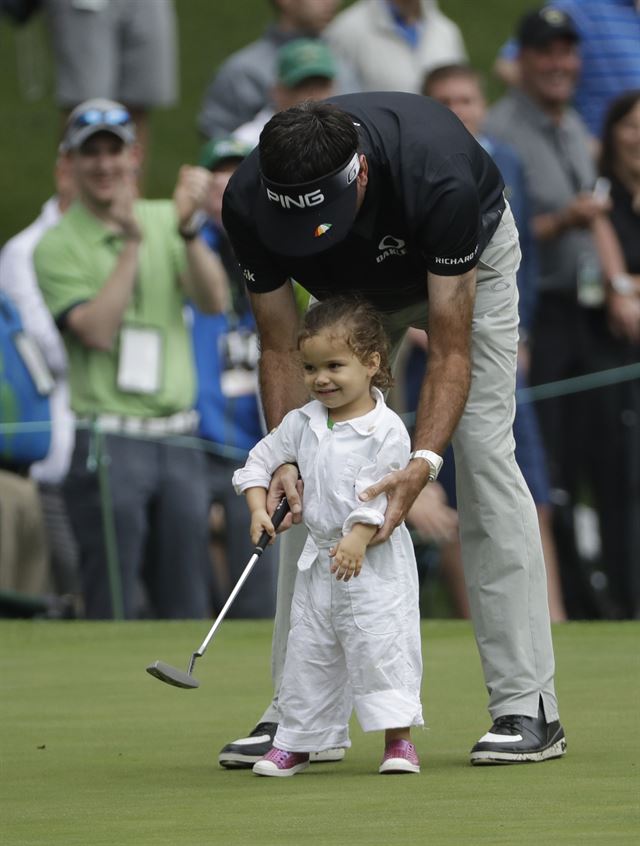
(221, 150)
(303, 58)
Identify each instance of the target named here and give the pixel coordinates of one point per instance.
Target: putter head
(171, 675)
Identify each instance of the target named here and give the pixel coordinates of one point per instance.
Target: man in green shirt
(115, 273)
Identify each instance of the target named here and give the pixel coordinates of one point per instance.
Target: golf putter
(178, 678)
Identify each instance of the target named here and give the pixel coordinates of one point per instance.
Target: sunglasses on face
(106, 117)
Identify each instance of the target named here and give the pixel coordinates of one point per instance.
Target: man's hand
(121, 210)
(401, 488)
(584, 209)
(285, 482)
(191, 192)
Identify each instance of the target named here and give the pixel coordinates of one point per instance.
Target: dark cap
(541, 27)
(93, 116)
(310, 217)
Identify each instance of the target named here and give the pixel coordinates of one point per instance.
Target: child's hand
(348, 556)
(261, 522)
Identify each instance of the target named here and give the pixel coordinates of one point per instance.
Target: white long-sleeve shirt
(335, 465)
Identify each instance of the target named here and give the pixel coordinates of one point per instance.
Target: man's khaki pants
(501, 548)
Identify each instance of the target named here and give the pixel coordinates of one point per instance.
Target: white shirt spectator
(367, 35)
(18, 281)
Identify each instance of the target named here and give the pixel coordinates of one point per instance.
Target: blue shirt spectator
(226, 354)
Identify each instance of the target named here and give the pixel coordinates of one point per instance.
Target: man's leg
(502, 552)
(177, 569)
(129, 486)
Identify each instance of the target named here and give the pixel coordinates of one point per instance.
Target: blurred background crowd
(128, 388)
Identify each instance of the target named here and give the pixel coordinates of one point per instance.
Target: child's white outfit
(355, 643)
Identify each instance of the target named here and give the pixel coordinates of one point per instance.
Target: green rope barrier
(98, 458)
(564, 387)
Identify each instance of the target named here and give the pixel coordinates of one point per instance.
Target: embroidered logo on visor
(321, 230)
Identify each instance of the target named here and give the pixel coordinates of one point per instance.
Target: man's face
(102, 164)
(310, 15)
(549, 73)
(465, 99)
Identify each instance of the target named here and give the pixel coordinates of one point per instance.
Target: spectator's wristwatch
(434, 461)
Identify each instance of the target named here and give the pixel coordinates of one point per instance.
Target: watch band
(434, 461)
(192, 227)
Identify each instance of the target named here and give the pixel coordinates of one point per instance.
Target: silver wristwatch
(434, 461)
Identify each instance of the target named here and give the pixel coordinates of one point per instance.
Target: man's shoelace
(508, 724)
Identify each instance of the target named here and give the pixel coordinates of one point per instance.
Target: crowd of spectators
(146, 338)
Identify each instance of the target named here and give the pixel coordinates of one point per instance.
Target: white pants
(352, 644)
(501, 548)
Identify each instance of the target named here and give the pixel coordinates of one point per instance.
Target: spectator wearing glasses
(115, 273)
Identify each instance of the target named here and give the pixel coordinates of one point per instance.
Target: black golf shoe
(514, 739)
(243, 753)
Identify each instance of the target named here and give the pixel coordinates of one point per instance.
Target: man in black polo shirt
(388, 195)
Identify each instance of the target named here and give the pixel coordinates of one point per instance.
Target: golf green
(95, 751)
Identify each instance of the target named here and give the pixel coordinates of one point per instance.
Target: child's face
(336, 377)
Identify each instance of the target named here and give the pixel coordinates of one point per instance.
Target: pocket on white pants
(376, 603)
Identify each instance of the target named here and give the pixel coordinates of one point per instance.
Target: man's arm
(97, 321)
(205, 280)
(281, 384)
(448, 375)
(444, 392)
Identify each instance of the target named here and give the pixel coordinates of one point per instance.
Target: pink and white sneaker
(279, 762)
(400, 756)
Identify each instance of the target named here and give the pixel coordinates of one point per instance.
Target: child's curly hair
(358, 322)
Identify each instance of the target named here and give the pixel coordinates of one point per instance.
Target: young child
(354, 639)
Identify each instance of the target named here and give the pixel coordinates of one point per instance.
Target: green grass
(95, 751)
